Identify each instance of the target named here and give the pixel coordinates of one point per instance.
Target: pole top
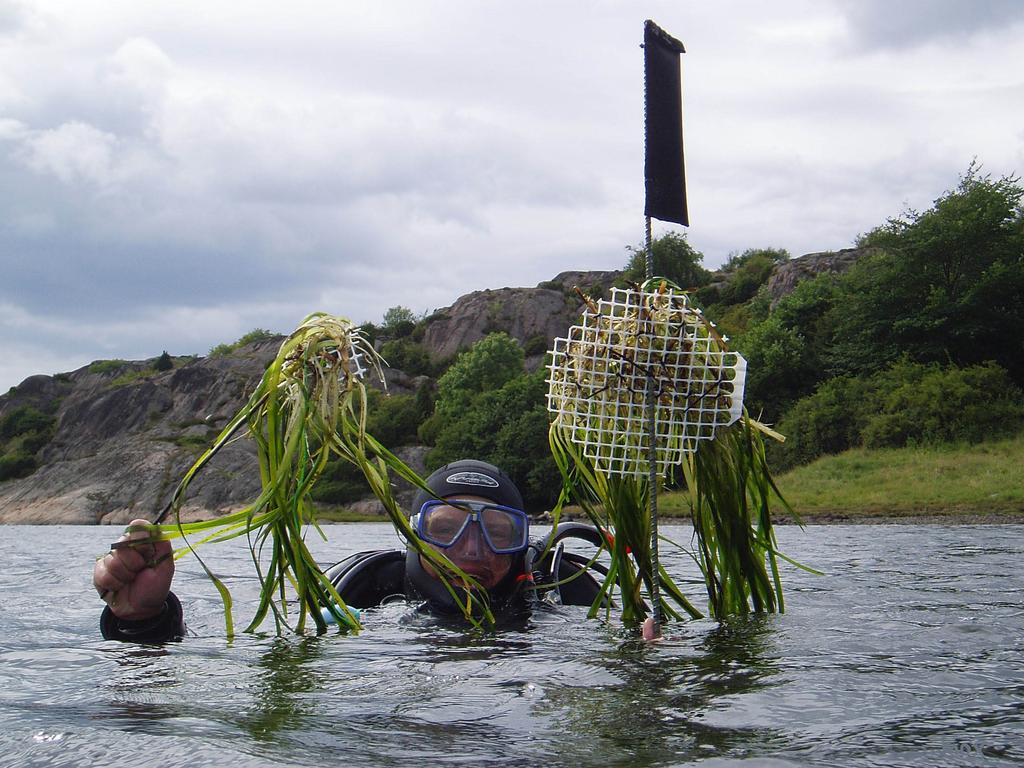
(652, 29)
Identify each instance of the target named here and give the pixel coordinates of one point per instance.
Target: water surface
(907, 652)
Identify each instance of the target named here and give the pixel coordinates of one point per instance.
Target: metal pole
(652, 460)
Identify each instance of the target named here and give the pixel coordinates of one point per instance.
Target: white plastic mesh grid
(598, 375)
(355, 361)
(343, 356)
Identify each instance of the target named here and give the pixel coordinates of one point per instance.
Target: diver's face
(472, 554)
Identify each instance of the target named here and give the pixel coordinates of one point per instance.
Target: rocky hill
(534, 316)
(123, 433)
(114, 437)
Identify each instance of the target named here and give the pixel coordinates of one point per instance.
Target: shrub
(370, 332)
(946, 286)
(107, 366)
(163, 363)
(829, 421)
(408, 356)
(507, 426)
(535, 345)
(777, 372)
(906, 404)
(732, 319)
(393, 419)
(221, 349)
(428, 431)
(340, 483)
(926, 404)
(17, 464)
(748, 272)
(24, 431)
(398, 322)
(674, 258)
(23, 420)
(488, 364)
(256, 334)
(787, 350)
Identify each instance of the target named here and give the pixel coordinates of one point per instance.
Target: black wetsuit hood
(368, 578)
(466, 477)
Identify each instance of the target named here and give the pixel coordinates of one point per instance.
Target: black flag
(664, 177)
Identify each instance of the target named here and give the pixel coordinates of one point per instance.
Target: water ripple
(907, 651)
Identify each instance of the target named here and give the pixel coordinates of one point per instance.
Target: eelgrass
(616, 504)
(649, 346)
(309, 406)
(731, 495)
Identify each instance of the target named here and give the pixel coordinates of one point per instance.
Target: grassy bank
(965, 483)
(983, 482)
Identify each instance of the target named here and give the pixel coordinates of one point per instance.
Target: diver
(473, 515)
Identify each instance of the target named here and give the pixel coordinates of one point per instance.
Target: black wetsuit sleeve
(167, 625)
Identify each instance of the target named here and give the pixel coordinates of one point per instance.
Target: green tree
(398, 322)
(786, 351)
(16, 464)
(507, 426)
(487, 365)
(370, 332)
(23, 420)
(947, 286)
(408, 356)
(829, 421)
(747, 272)
(340, 483)
(489, 408)
(23, 432)
(776, 367)
(740, 278)
(392, 419)
(920, 404)
(256, 334)
(674, 258)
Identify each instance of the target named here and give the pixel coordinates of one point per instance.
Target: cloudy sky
(173, 175)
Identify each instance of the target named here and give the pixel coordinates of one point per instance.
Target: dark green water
(908, 652)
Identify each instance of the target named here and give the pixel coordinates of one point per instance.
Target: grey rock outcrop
(119, 448)
(788, 274)
(545, 311)
(125, 434)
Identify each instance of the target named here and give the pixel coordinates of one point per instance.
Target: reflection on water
(907, 652)
(650, 701)
(280, 687)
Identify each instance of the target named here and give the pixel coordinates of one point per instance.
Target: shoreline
(950, 516)
(1011, 515)
(915, 518)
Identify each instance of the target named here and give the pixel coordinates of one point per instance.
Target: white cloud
(139, 65)
(12, 130)
(910, 23)
(179, 173)
(73, 152)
